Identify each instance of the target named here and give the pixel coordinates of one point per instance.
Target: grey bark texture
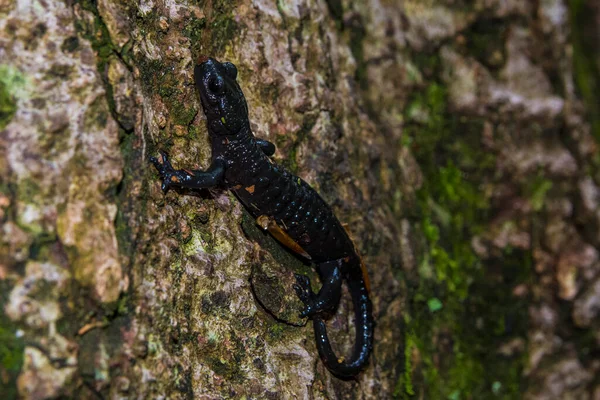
(457, 140)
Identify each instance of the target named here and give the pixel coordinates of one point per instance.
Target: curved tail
(363, 344)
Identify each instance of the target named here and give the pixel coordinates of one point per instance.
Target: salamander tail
(339, 366)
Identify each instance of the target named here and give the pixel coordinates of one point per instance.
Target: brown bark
(452, 137)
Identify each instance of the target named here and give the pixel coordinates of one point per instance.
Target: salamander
(284, 205)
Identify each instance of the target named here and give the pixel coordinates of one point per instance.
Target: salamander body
(283, 204)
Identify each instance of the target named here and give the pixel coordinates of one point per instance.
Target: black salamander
(282, 204)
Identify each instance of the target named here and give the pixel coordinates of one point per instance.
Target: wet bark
(457, 140)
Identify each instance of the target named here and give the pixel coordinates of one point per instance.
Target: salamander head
(222, 99)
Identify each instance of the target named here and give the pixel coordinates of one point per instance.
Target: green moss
(434, 304)
(181, 114)
(99, 37)
(536, 191)
(154, 345)
(404, 386)
(276, 331)
(458, 345)
(97, 34)
(8, 106)
(460, 310)
(29, 194)
(43, 247)
(13, 85)
(194, 29)
(11, 348)
(222, 367)
(226, 360)
(183, 381)
(128, 204)
(212, 36)
(14, 81)
(223, 30)
(117, 309)
(150, 72)
(158, 77)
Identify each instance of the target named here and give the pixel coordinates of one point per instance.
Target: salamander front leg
(182, 178)
(326, 301)
(267, 147)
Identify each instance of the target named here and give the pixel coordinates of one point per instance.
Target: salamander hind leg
(325, 302)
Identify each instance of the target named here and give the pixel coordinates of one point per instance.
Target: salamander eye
(215, 84)
(230, 69)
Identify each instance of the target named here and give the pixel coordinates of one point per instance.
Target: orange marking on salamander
(365, 275)
(250, 189)
(268, 224)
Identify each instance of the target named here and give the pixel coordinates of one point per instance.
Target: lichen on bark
(451, 138)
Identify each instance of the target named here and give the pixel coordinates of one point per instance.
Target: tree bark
(451, 137)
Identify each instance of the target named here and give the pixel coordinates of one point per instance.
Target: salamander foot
(166, 171)
(324, 303)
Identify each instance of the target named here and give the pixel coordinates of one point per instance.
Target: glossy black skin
(241, 163)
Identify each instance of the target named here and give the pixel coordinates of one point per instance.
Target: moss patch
(461, 309)
(223, 30)
(99, 36)
(11, 348)
(193, 29)
(8, 106)
(12, 86)
(226, 360)
(158, 77)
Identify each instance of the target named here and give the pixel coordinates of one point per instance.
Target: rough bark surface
(450, 136)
